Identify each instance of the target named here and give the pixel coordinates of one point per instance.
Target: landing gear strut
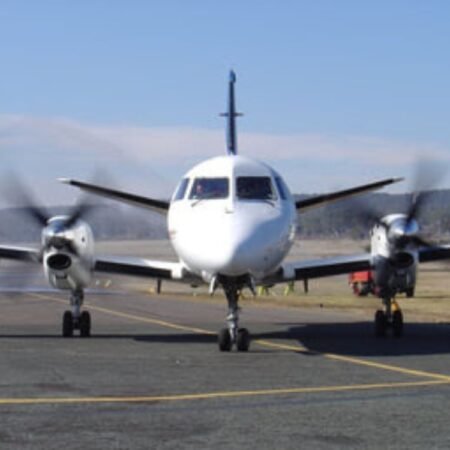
(76, 319)
(233, 335)
(391, 317)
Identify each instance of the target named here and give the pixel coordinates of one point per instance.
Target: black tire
(380, 323)
(224, 340)
(85, 324)
(410, 292)
(243, 340)
(397, 323)
(67, 325)
(364, 291)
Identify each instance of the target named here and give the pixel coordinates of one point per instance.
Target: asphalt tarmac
(151, 377)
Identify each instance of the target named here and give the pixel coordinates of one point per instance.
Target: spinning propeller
(405, 230)
(54, 228)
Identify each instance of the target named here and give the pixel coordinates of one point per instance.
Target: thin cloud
(50, 147)
(165, 143)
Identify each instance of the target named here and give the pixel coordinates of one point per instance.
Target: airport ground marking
(268, 344)
(217, 395)
(361, 362)
(135, 318)
(388, 367)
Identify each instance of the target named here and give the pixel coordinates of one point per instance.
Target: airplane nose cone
(235, 257)
(227, 254)
(248, 241)
(243, 253)
(224, 256)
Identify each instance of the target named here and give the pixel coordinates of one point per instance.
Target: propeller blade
(428, 174)
(421, 242)
(81, 210)
(20, 196)
(367, 213)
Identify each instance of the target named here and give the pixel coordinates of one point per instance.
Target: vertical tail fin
(231, 115)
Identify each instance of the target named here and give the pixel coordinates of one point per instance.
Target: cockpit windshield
(181, 189)
(255, 188)
(209, 188)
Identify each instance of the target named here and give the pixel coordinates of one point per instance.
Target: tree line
(351, 218)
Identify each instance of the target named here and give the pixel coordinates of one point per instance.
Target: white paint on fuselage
(232, 236)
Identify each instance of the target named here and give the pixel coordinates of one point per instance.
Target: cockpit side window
(281, 188)
(181, 189)
(209, 188)
(255, 188)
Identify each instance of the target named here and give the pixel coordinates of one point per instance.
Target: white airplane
(231, 221)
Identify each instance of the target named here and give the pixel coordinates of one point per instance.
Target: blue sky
(334, 92)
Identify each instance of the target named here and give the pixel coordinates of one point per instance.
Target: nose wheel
(241, 341)
(76, 319)
(70, 323)
(391, 318)
(67, 325)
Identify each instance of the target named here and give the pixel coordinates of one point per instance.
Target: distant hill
(108, 222)
(345, 218)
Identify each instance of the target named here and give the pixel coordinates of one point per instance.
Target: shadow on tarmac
(358, 339)
(189, 338)
(352, 339)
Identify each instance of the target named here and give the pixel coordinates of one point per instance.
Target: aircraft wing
(318, 200)
(434, 253)
(303, 270)
(20, 253)
(136, 200)
(144, 268)
(118, 265)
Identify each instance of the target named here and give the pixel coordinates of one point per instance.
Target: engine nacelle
(395, 274)
(67, 271)
(59, 262)
(68, 256)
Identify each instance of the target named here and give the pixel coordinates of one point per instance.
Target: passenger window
(255, 188)
(209, 188)
(281, 188)
(181, 189)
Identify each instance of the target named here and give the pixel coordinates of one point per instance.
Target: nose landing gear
(391, 317)
(233, 335)
(76, 319)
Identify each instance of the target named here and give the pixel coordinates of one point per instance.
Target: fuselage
(232, 216)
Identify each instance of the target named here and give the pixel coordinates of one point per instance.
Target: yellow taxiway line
(217, 395)
(268, 344)
(360, 361)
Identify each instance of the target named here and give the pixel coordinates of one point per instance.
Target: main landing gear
(76, 319)
(391, 317)
(233, 335)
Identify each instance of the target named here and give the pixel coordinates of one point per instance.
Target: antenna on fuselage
(231, 115)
